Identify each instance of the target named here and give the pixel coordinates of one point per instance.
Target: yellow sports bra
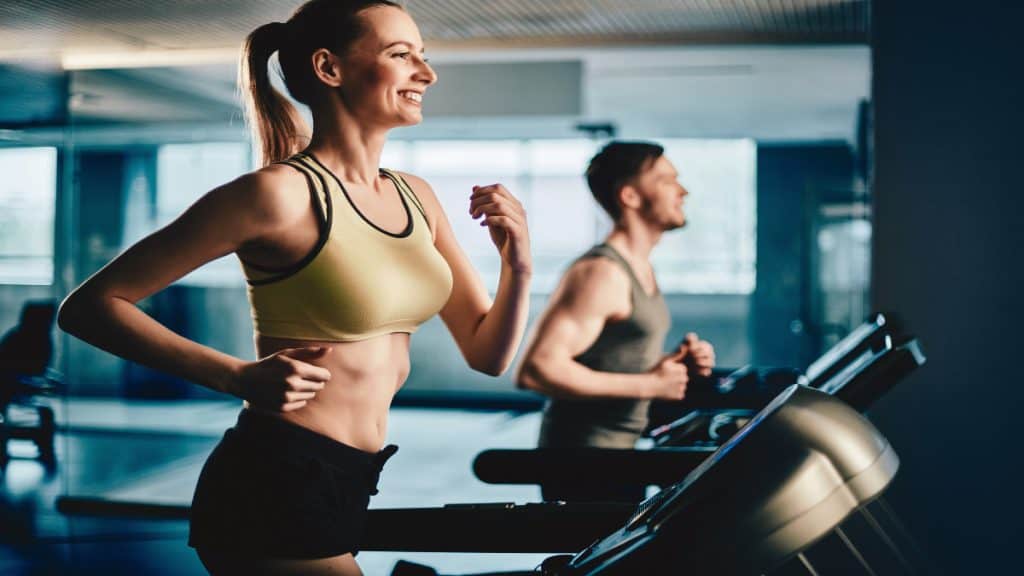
(359, 281)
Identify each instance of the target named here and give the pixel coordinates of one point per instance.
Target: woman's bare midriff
(365, 376)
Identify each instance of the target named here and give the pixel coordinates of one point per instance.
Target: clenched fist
(670, 377)
(283, 381)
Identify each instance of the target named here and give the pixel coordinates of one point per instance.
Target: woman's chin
(404, 121)
(411, 119)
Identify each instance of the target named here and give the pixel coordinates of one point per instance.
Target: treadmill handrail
(841, 352)
(549, 527)
(866, 387)
(616, 465)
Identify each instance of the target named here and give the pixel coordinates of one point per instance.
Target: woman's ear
(327, 67)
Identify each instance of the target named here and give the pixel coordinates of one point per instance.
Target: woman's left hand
(505, 217)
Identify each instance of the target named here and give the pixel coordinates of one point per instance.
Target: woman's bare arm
(487, 333)
(103, 310)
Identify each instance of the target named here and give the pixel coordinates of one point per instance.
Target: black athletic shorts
(276, 489)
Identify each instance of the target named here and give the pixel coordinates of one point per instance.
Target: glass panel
(493, 158)
(564, 223)
(560, 157)
(28, 193)
(843, 276)
(396, 156)
(715, 252)
(714, 255)
(184, 172)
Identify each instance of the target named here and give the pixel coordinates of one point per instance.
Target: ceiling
(623, 21)
(49, 27)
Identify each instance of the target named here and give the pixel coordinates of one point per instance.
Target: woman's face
(384, 73)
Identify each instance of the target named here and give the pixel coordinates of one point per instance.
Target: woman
(344, 260)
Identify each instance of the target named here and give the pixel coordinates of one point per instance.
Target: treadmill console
(642, 525)
(815, 459)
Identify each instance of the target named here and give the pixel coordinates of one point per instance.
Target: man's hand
(698, 355)
(670, 378)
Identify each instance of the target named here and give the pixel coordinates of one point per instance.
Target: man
(597, 350)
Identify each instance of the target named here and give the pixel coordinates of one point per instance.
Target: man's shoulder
(596, 273)
(594, 266)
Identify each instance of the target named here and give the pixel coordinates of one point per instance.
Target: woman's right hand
(283, 381)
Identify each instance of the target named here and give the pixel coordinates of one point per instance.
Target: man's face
(661, 195)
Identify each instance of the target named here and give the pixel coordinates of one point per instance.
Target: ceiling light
(146, 58)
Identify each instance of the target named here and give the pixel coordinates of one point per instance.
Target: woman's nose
(426, 74)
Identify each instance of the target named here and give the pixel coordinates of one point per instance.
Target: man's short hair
(614, 166)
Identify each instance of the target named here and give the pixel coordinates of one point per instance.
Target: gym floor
(153, 451)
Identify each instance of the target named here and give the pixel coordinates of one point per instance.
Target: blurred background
(826, 154)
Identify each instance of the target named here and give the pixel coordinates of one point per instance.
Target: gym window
(28, 193)
(184, 172)
(714, 254)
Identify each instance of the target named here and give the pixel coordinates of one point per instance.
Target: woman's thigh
(228, 564)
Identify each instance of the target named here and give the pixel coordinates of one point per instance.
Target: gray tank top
(633, 345)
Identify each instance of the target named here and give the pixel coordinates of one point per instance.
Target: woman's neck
(352, 151)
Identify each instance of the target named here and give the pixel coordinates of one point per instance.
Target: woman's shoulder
(274, 180)
(274, 194)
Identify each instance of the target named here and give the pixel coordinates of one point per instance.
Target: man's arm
(593, 292)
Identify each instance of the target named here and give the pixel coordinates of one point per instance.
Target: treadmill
(817, 462)
(683, 445)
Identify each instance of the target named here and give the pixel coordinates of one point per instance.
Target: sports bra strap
(405, 190)
(317, 185)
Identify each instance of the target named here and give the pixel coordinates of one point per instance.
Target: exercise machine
(817, 462)
(683, 445)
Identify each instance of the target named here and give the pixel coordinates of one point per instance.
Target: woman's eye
(403, 55)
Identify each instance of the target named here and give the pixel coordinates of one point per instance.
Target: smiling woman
(330, 244)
